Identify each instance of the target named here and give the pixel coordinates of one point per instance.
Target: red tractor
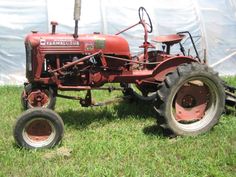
(188, 96)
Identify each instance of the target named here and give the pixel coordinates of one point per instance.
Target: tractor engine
(74, 75)
(46, 53)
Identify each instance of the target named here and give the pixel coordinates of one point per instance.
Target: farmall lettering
(59, 42)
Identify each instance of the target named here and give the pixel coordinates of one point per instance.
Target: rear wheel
(37, 97)
(38, 128)
(191, 99)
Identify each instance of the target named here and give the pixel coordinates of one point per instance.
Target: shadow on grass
(156, 130)
(82, 118)
(85, 116)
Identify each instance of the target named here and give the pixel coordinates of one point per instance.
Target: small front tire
(32, 97)
(38, 128)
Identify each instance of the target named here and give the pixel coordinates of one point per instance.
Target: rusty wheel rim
(195, 103)
(39, 132)
(39, 98)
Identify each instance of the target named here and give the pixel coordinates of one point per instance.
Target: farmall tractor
(187, 95)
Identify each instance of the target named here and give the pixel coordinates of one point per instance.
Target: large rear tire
(38, 128)
(191, 99)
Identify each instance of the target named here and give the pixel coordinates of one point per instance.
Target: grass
(115, 140)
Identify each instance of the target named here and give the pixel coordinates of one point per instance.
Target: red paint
(66, 43)
(88, 61)
(38, 130)
(37, 98)
(169, 39)
(191, 102)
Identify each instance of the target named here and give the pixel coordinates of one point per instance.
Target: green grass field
(115, 140)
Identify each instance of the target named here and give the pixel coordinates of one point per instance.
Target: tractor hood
(85, 43)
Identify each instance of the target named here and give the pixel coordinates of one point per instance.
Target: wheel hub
(38, 98)
(191, 102)
(38, 130)
(188, 101)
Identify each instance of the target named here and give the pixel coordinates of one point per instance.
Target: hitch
(230, 96)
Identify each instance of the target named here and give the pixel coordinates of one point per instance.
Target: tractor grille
(28, 52)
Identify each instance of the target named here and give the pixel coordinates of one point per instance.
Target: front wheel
(32, 97)
(191, 99)
(38, 128)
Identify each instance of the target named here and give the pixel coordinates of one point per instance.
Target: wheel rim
(39, 132)
(195, 104)
(39, 98)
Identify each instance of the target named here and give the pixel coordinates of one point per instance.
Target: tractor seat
(169, 39)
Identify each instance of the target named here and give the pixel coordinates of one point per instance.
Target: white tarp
(213, 21)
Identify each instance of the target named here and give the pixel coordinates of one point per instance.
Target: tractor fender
(170, 65)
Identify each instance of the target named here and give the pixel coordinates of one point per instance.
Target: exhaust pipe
(77, 12)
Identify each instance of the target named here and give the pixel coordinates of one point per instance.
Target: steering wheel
(143, 13)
